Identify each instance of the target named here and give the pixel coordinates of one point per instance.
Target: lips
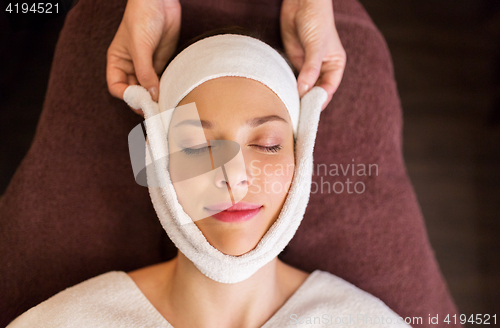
(238, 212)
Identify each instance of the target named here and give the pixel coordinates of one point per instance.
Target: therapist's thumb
(144, 71)
(311, 69)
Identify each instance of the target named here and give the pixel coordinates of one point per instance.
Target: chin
(235, 238)
(236, 251)
(236, 244)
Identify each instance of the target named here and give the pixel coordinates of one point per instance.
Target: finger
(310, 70)
(289, 36)
(118, 67)
(144, 71)
(161, 58)
(117, 71)
(117, 82)
(132, 80)
(327, 101)
(117, 88)
(295, 55)
(166, 47)
(119, 75)
(330, 80)
(293, 49)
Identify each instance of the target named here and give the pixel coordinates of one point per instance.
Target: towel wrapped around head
(207, 59)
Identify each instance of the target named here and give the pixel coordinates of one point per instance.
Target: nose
(234, 174)
(234, 181)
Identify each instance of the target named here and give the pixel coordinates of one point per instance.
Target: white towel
(213, 57)
(113, 300)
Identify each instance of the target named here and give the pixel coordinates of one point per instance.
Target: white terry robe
(113, 300)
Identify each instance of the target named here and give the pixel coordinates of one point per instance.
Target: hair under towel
(207, 59)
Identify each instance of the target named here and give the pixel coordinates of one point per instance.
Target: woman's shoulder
(335, 299)
(82, 305)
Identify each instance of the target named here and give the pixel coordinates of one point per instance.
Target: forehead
(235, 98)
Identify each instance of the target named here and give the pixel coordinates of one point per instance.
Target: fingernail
(303, 89)
(153, 91)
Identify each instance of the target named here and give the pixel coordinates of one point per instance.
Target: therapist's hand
(145, 40)
(312, 44)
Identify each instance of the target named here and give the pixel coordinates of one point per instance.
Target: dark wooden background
(447, 63)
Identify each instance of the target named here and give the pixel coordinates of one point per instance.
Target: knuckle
(312, 68)
(141, 72)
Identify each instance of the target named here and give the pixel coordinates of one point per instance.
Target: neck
(195, 300)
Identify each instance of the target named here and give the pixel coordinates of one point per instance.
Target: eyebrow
(254, 122)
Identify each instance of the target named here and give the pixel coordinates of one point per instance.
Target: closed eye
(269, 149)
(195, 151)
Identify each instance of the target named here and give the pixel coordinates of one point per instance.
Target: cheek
(271, 177)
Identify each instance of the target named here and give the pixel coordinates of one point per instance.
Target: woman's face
(246, 112)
